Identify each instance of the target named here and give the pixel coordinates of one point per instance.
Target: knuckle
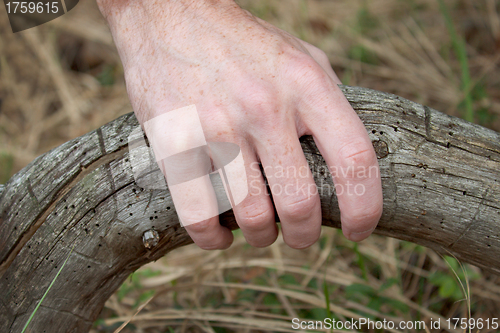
(255, 218)
(299, 205)
(319, 54)
(357, 155)
(260, 106)
(256, 223)
(257, 99)
(322, 55)
(305, 70)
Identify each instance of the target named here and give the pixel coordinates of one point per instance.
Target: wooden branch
(441, 190)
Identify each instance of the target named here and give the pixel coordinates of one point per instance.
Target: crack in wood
(395, 189)
(90, 259)
(125, 121)
(472, 222)
(428, 135)
(149, 202)
(84, 171)
(101, 141)
(67, 312)
(31, 192)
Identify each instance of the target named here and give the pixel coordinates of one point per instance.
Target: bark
(441, 190)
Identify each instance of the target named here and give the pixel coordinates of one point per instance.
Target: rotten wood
(440, 181)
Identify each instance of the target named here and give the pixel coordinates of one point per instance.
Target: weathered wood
(440, 180)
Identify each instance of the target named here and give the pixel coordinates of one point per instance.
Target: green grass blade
(46, 292)
(361, 262)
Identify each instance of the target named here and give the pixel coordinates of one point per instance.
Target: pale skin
(258, 87)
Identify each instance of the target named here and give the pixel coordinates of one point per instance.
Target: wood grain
(440, 181)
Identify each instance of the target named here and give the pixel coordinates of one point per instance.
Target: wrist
(112, 7)
(144, 27)
(114, 10)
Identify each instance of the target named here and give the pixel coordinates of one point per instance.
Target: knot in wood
(381, 148)
(150, 238)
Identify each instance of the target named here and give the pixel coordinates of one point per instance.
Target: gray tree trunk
(440, 181)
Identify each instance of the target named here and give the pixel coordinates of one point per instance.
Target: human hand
(258, 87)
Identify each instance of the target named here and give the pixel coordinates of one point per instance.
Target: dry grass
(245, 289)
(51, 83)
(64, 79)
